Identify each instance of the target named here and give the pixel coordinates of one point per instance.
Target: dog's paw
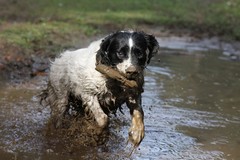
(102, 120)
(136, 132)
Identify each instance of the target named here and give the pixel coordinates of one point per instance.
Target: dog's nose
(132, 70)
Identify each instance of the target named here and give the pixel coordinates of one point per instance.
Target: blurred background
(192, 89)
(46, 27)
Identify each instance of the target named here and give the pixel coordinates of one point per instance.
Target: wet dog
(73, 77)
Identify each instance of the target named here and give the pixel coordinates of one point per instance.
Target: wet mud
(191, 104)
(27, 132)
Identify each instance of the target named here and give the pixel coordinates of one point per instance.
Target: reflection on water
(191, 105)
(203, 93)
(206, 83)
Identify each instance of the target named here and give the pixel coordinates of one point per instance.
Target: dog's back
(76, 70)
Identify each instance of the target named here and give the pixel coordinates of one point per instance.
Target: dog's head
(127, 51)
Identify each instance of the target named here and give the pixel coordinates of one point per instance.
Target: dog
(73, 76)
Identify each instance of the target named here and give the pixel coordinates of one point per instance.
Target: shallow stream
(192, 111)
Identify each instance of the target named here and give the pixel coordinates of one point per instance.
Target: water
(191, 104)
(200, 97)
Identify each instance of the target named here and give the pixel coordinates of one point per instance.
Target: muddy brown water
(191, 103)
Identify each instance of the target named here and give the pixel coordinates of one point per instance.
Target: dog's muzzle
(132, 72)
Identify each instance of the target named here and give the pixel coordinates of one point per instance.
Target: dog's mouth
(133, 72)
(133, 76)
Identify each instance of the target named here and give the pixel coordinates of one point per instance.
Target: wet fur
(74, 82)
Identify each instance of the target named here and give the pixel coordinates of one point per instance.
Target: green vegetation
(29, 22)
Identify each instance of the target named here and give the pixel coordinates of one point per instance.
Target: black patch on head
(139, 48)
(115, 48)
(153, 46)
(144, 43)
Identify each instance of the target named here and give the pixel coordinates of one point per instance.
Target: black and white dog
(73, 76)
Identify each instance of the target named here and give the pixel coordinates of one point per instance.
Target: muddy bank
(19, 63)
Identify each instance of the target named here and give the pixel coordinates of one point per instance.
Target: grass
(33, 22)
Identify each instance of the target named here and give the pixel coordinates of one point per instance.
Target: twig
(111, 73)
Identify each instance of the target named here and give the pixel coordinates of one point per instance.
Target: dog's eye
(120, 55)
(139, 55)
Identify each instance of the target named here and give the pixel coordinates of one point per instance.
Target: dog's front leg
(136, 131)
(94, 106)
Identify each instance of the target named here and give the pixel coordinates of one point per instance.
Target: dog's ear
(102, 53)
(153, 46)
